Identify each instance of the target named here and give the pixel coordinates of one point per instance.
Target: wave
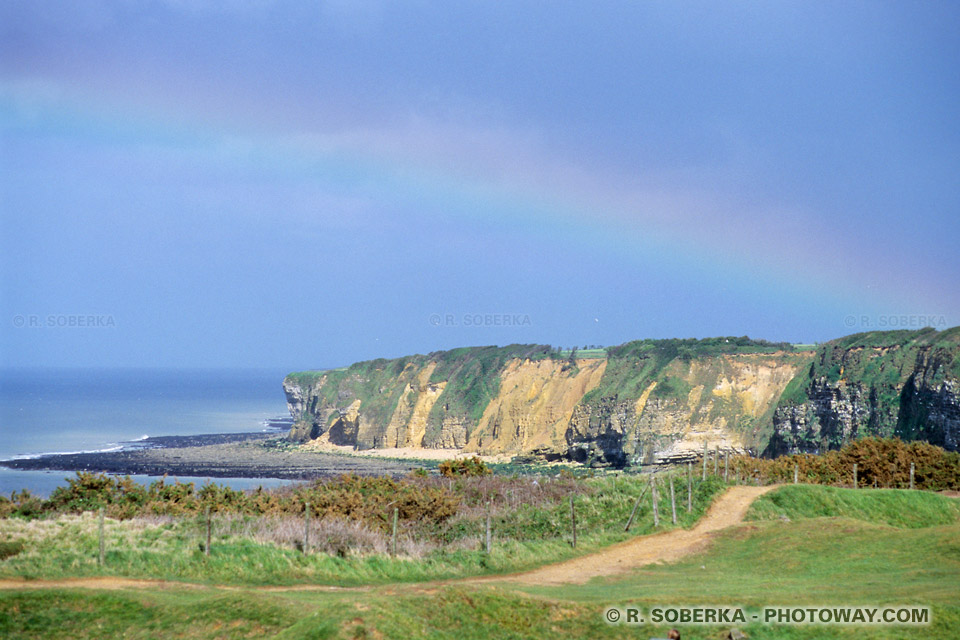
(33, 456)
(279, 423)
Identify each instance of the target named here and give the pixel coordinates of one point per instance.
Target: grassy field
(530, 521)
(801, 546)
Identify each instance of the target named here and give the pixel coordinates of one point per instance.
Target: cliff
(644, 401)
(432, 401)
(660, 400)
(892, 383)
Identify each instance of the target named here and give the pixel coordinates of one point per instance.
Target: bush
(464, 467)
(10, 549)
(370, 500)
(25, 504)
(881, 462)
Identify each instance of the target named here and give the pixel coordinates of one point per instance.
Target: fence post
(489, 544)
(673, 502)
(306, 528)
(393, 543)
(206, 548)
(854, 475)
(716, 461)
(103, 546)
(656, 508)
(689, 489)
(705, 445)
(796, 473)
(573, 522)
(726, 466)
(636, 505)
(912, 468)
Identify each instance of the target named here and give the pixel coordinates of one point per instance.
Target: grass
(81, 615)
(894, 507)
(836, 549)
(583, 354)
(830, 561)
(531, 526)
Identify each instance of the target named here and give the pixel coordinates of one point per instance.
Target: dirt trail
(668, 546)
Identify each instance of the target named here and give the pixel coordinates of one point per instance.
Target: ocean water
(72, 410)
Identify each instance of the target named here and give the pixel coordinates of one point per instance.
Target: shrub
(881, 462)
(26, 505)
(464, 467)
(10, 549)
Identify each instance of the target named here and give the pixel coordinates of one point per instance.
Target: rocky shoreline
(222, 455)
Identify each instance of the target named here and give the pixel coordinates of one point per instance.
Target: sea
(48, 410)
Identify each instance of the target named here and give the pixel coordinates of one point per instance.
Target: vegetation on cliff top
(472, 375)
(854, 357)
(632, 366)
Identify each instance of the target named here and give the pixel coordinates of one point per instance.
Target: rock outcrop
(721, 400)
(649, 401)
(899, 383)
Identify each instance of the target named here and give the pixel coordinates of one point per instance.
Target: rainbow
(792, 273)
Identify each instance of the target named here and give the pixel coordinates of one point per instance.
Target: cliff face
(899, 383)
(534, 406)
(646, 401)
(724, 400)
(435, 401)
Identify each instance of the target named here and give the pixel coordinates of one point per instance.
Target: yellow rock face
(408, 424)
(534, 405)
(725, 390)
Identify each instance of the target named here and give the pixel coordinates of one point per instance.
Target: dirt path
(668, 546)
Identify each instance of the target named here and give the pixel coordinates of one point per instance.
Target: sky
(271, 183)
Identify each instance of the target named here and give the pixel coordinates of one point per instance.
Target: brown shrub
(464, 467)
(881, 462)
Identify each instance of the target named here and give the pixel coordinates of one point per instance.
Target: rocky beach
(231, 455)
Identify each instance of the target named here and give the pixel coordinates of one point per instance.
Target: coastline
(221, 455)
(414, 454)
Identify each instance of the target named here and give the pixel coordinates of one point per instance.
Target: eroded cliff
(894, 383)
(646, 401)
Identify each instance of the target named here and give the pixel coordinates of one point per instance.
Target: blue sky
(306, 184)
